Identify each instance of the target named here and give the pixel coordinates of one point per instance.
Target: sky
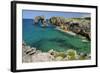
(30, 14)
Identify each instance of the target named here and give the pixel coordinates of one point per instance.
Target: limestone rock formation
(81, 27)
(40, 19)
(57, 20)
(30, 54)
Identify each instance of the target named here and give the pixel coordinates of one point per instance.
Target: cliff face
(76, 25)
(57, 21)
(79, 26)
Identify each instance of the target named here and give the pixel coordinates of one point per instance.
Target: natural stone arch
(41, 19)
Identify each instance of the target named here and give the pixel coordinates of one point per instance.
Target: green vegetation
(70, 54)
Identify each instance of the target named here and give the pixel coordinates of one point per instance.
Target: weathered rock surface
(57, 20)
(81, 27)
(30, 54)
(41, 19)
(42, 57)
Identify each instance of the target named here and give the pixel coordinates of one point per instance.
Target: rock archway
(40, 19)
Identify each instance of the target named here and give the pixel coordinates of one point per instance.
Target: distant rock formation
(57, 21)
(41, 19)
(80, 29)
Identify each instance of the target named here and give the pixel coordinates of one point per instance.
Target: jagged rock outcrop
(30, 54)
(41, 19)
(81, 27)
(57, 21)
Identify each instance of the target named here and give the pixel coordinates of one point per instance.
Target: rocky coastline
(73, 26)
(79, 26)
(31, 54)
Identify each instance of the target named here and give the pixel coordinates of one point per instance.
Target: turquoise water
(49, 38)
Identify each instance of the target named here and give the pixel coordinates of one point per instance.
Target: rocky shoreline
(69, 32)
(80, 26)
(72, 26)
(31, 54)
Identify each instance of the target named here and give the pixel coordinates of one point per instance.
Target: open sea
(49, 38)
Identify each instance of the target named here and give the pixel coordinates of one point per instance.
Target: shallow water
(49, 38)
